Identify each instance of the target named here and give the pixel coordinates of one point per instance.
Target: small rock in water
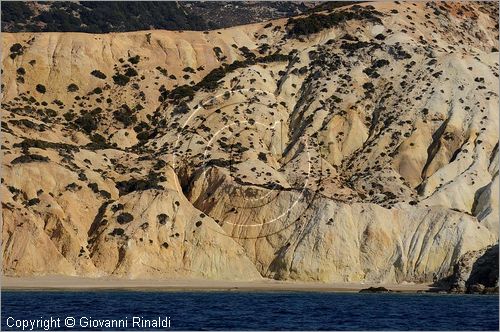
(375, 290)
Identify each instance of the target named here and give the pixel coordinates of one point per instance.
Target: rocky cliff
(476, 272)
(355, 144)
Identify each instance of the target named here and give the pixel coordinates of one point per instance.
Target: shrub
(98, 74)
(125, 115)
(183, 91)
(117, 207)
(162, 218)
(104, 194)
(210, 81)
(73, 187)
(87, 122)
(130, 72)
(368, 86)
(134, 60)
(50, 113)
(125, 187)
(69, 116)
(398, 52)
(371, 72)
(353, 47)
(98, 143)
(31, 202)
(29, 158)
(98, 139)
(159, 164)
(15, 50)
(73, 87)
(142, 127)
(40, 88)
(246, 52)
(117, 231)
(94, 187)
(189, 70)
(142, 136)
(380, 63)
(217, 50)
(163, 71)
(120, 79)
(124, 218)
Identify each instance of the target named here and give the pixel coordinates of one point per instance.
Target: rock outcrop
(375, 290)
(476, 272)
(357, 144)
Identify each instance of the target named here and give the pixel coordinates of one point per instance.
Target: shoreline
(66, 283)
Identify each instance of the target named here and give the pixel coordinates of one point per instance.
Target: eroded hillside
(355, 144)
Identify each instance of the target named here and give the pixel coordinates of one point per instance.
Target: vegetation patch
(125, 115)
(40, 88)
(162, 218)
(29, 124)
(15, 50)
(73, 87)
(40, 144)
(151, 182)
(29, 158)
(130, 72)
(134, 59)
(124, 218)
(120, 79)
(31, 202)
(87, 122)
(98, 74)
(211, 80)
(372, 70)
(162, 70)
(315, 23)
(69, 116)
(117, 231)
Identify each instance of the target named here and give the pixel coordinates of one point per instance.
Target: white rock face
(366, 151)
(322, 240)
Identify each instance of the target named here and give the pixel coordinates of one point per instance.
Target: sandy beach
(78, 283)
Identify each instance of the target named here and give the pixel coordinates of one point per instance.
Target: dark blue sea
(90, 310)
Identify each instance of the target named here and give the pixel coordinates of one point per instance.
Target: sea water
(235, 310)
